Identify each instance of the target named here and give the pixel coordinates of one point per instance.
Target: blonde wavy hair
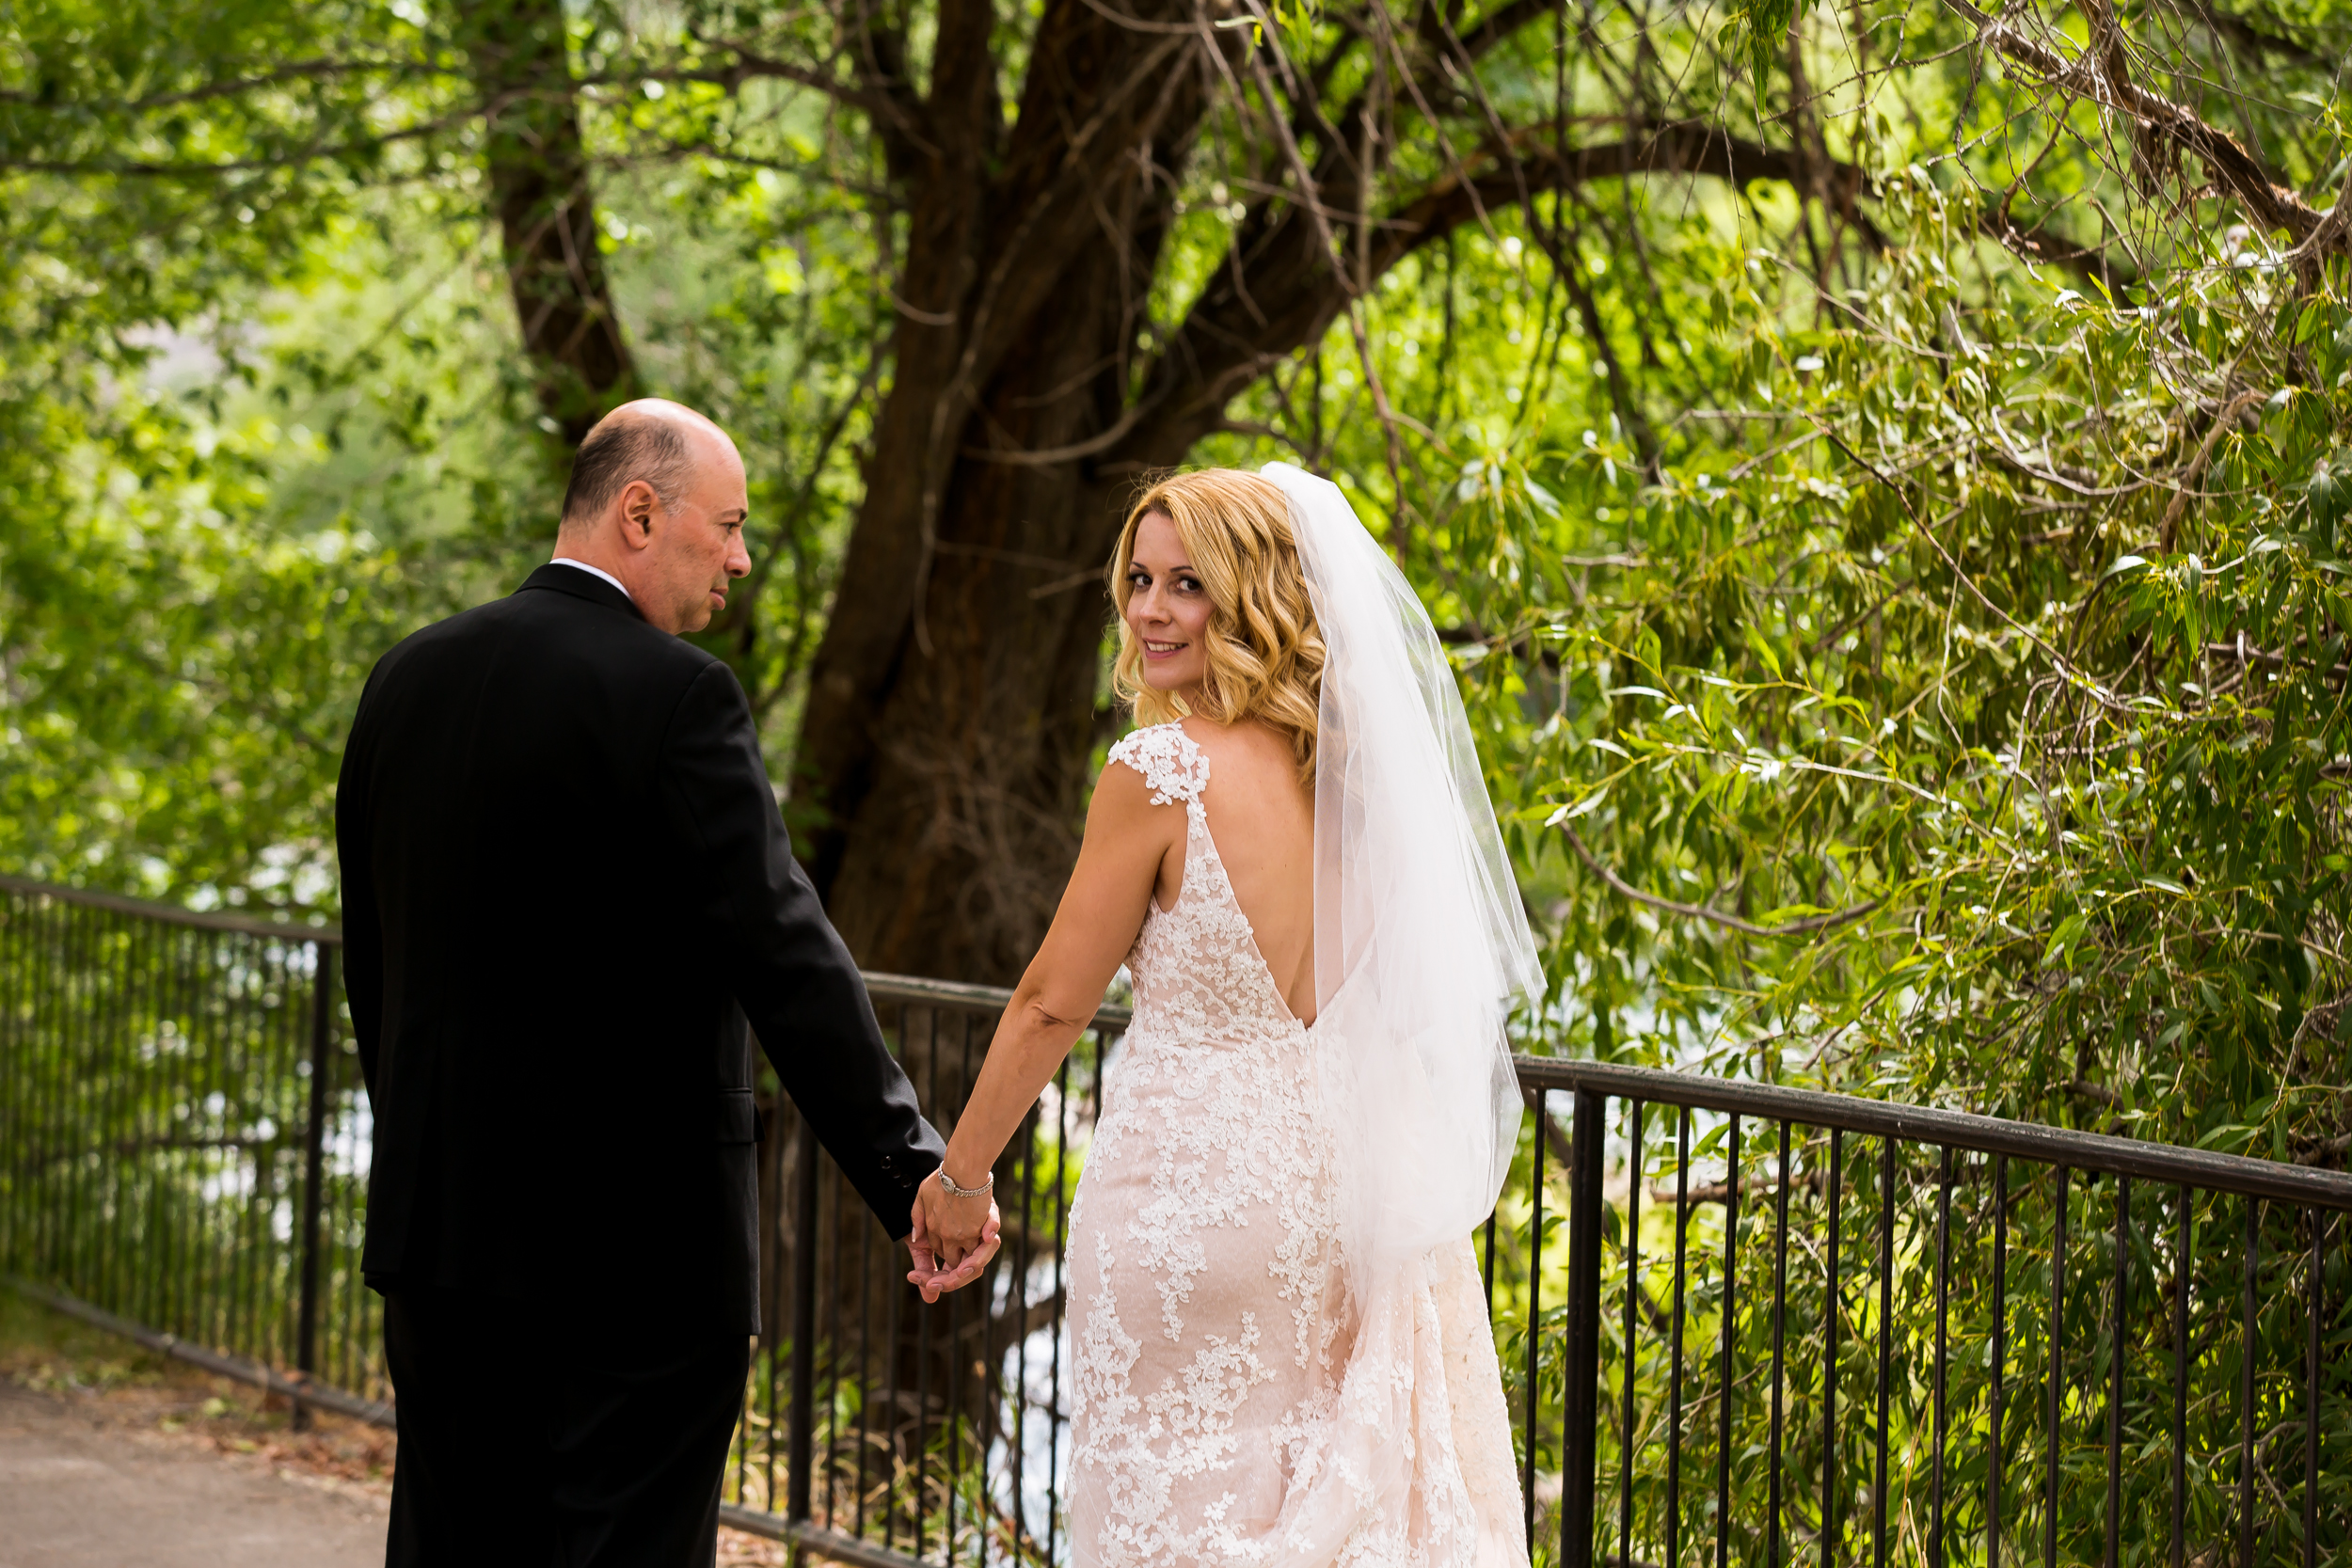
(1264, 649)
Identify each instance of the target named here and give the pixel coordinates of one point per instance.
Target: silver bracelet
(953, 1191)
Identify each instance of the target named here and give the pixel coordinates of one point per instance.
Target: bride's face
(1168, 608)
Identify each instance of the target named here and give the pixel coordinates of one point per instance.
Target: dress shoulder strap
(1171, 764)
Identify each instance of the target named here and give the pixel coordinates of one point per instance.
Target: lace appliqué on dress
(1171, 765)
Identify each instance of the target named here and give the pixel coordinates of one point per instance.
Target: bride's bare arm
(1127, 840)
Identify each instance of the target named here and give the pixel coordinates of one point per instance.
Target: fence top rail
(971, 998)
(2301, 1185)
(211, 920)
(881, 988)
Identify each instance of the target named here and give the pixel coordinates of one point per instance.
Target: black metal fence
(1739, 1323)
(186, 1130)
(1804, 1327)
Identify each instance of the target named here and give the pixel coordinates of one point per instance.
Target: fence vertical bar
(1829, 1354)
(801, 1436)
(2116, 1369)
(1780, 1324)
(1632, 1285)
(149, 1133)
(68, 1249)
(2246, 1392)
(1534, 1306)
(172, 1292)
(863, 1496)
(1886, 1341)
(111, 1061)
(314, 1169)
(1491, 1215)
(1017, 1504)
(2058, 1355)
(955, 1441)
(1673, 1375)
(1061, 1249)
(11, 1137)
(1943, 1308)
(1581, 1413)
(1722, 1394)
(771, 1310)
(11, 1127)
(2000, 1356)
(39, 1174)
(2182, 1264)
(2316, 1304)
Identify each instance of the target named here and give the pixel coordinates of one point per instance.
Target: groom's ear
(637, 501)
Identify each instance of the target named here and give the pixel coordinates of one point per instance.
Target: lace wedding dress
(1234, 1402)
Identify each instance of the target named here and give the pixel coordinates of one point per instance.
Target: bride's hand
(952, 1240)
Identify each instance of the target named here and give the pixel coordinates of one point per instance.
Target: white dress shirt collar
(595, 572)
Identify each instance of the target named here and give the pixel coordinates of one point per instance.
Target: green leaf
(2070, 931)
(2338, 603)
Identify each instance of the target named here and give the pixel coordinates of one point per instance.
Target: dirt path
(111, 1457)
(79, 1490)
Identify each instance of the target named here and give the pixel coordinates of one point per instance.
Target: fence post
(315, 1170)
(1581, 1413)
(803, 1328)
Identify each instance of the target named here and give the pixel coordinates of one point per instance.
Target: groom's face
(695, 551)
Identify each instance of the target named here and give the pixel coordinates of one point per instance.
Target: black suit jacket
(566, 884)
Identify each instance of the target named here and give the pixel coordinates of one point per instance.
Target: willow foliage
(1898, 584)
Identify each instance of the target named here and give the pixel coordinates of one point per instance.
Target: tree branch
(297, 70)
(541, 197)
(2091, 75)
(747, 65)
(1288, 293)
(1699, 912)
(142, 170)
(879, 53)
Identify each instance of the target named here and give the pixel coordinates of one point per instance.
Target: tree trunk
(956, 822)
(951, 707)
(540, 192)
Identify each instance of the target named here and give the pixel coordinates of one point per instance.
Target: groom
(567, 887)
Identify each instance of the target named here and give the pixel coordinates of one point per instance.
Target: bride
(1281, 1349)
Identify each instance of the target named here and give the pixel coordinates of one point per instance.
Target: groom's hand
(952, 1240)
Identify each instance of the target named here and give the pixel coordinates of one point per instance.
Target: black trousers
(599, 1442)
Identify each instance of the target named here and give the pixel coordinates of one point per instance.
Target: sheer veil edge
(1421, 944)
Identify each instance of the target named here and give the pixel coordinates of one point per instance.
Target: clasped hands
(952, 1240)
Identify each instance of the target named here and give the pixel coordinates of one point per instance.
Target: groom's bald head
(651, 439)
(657, 501)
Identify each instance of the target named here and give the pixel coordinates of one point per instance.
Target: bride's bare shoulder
(1247, 758)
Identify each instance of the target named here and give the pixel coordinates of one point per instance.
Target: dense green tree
(1814, 371)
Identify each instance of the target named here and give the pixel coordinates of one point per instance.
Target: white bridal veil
(1420, 943)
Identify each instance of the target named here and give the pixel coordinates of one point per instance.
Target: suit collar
(581, 585)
